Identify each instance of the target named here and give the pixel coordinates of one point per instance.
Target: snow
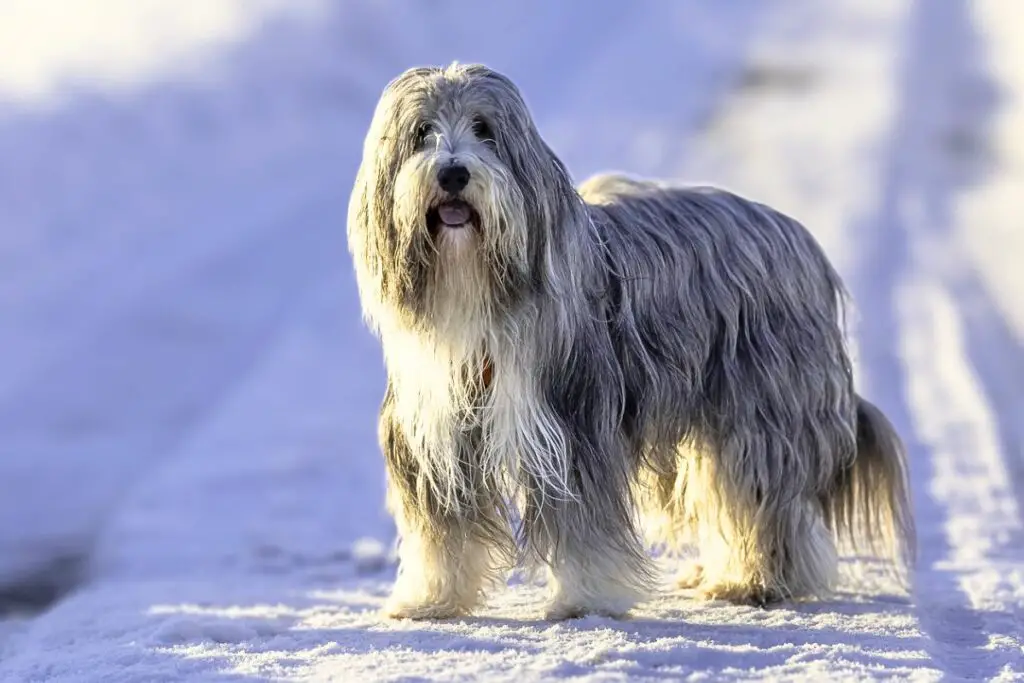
(188, 395)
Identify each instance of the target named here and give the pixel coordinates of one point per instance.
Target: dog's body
(599, 359)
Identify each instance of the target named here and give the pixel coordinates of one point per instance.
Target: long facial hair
(449, 304)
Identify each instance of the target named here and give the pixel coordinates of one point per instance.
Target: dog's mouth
(453, 214)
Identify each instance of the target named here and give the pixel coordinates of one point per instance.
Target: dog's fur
(574, 364)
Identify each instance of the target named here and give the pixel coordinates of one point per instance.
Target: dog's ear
(550, 200)
(538, 171)
(364, 233)
(371, 231)
(388, 268)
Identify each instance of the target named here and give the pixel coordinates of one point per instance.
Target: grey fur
(599, 357)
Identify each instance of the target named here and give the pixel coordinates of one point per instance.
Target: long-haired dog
(565, 365)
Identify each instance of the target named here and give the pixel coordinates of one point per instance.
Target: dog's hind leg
(666, 500)
(450, 551)
(758, 544)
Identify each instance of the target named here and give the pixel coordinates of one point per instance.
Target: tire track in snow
(126, 304)
(987, 219)
(930, 389)
(996, 355)
(963, 162)
(128, 393)
(977, 632)
(78, 299)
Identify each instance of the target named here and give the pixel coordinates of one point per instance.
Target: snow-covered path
(188, 394)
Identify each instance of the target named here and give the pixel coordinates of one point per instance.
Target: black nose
(453, 178)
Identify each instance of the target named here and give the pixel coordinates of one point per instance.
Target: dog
(577, 376)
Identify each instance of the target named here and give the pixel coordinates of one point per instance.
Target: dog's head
(456, 194)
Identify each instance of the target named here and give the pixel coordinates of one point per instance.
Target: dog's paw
(403, 609)
(738, 594)
(691, 576)
(561, 610)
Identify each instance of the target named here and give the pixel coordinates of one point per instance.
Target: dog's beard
(461, 266)
(458, 297)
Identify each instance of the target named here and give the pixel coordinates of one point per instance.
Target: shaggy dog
(566, 365)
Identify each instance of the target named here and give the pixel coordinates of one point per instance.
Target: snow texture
(190, 478)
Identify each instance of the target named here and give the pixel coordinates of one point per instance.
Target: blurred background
(185, 379)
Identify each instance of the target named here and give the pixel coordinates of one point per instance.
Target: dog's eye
(482, 130)
(424, 130)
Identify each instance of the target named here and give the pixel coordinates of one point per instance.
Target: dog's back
(707, 283)
(743, 233)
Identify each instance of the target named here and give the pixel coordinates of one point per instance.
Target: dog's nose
(453, 178)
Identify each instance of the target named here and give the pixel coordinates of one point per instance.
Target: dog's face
(456, 191)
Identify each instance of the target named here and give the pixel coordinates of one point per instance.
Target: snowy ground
(187, 395)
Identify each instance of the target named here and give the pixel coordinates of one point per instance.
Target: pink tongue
(453, 213)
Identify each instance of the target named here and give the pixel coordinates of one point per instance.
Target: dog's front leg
(453, 544)
(588, 541)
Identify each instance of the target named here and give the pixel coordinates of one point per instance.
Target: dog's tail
(869, 504)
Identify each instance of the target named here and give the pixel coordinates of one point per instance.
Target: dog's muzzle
(453, 213)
